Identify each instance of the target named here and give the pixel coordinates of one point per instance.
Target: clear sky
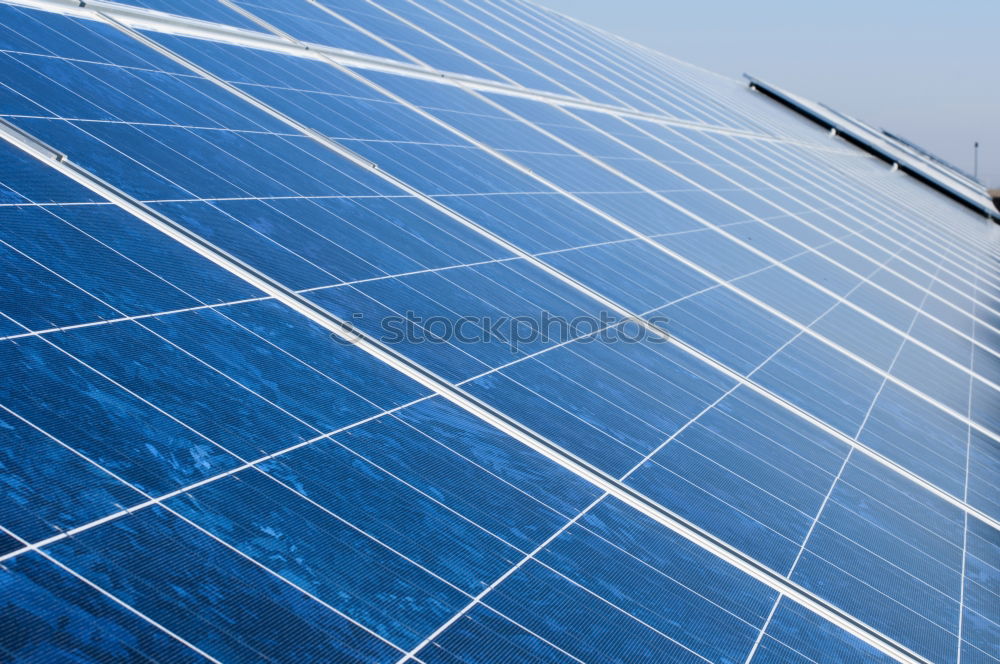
(928, 70)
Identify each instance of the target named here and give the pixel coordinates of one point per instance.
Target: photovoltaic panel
(276, 383)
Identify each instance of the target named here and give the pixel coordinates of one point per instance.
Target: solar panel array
(779, 442)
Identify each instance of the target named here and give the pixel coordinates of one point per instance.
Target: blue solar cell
(727, 327)
(117, 430)
(48, 489)
(608, 403)
(921, 439)
(796, 636)
(822, 382)
(61, 618)
(868, 556)
(612, 582)
(173, 573)
(746, 477)
(481, 635)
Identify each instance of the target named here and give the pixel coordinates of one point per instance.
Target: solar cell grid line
(901, 202)
(584, 82)
(775, 312)
(529, 76)
(438, 42)
(778, 206)
(861, 216)
(731, 158)
(595, 71)
(118, 602)
(762, 196)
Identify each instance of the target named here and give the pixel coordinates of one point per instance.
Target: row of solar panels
(196, 468)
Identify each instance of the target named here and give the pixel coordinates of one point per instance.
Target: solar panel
(440, 331)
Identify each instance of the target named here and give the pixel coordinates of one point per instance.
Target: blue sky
(928, 71)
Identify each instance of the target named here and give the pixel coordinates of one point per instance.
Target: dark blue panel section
(609, 402)
(869, 557)
(798, 636)
(483, 636)
(354, 371)
(619, 601)
(416, 525)
(80, 264)
(823, 382)
(212, 597)
(218, 410)
(27, 180)
(323, 553)
(46, 488)
(747, 472)
(444, 451)
(117, 430)
(48, 615)
(265, 368)
(919, 437)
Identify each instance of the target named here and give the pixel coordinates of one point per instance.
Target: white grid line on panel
(702, 270)
(111, 597)
(457, 397)
(850, 202)
(718, 279)
(475, 37)
(143, 19)
(766, 256)
(364, 162)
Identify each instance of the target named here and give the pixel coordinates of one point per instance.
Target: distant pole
(975, 168)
